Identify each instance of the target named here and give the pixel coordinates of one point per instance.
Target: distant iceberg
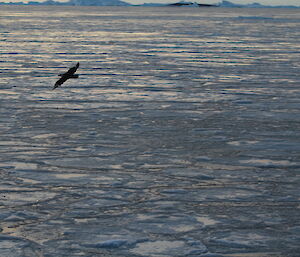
(192, 4)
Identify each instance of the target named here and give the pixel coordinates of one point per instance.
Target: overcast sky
(265, 2)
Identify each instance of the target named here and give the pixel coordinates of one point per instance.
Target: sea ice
(180, 137)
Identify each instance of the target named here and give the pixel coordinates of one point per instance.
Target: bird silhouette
(68, 75)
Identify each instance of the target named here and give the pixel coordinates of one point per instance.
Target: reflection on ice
(20, 165)
(21, 198)
(158, 248)
(269, 163)
(69, 176)
(206, 221)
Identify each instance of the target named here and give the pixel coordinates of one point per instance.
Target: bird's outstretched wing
(72, 70)
(64, 77)
(60, 81)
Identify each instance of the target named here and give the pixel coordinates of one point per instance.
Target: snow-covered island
(75, 3)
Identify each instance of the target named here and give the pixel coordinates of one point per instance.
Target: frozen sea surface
(180, 138)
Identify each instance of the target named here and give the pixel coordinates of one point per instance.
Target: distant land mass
(74, 3)
(224, 3)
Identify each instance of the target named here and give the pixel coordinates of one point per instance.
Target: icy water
(180, 138)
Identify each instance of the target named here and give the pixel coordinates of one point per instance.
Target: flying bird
(68, 75)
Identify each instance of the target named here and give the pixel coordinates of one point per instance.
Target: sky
(264, 2)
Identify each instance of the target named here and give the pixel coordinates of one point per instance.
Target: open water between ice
(180, 138)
